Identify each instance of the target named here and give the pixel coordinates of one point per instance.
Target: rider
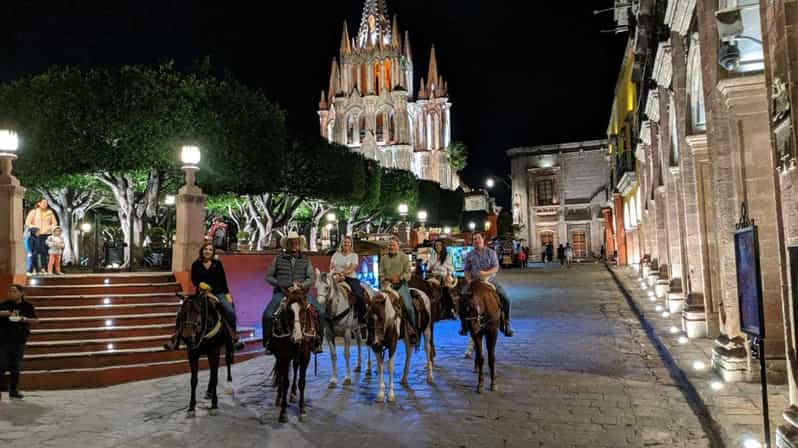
(483, 264)
(343, 266)
(289, 268)
(208, 270)
(395, 268)
(441, 267)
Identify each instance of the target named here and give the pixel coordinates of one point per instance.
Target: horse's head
(296, 305)
(190, 317)
(323, 286)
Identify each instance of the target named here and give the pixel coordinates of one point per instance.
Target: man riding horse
(291, 268)
(395, 269)
(483, 264)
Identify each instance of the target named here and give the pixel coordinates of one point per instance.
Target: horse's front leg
(408, 354)
(491, 342)
(193, 362)
(381, 393)
(359, 341)
(391, 395)
(283, 391)
(478, 362)
(368, 362)
(295, 365)
(333, 359)
(302, 376)
(228, 362)
(347, 344)
(213, 364)
(428, 352)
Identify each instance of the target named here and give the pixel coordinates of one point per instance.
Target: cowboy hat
(292, 235)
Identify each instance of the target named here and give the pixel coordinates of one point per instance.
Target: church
(372, 105)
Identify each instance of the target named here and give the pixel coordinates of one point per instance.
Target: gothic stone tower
(372, 107)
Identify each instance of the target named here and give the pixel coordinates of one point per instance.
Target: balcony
(625, 176)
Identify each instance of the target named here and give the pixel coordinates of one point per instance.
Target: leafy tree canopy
(457, 156)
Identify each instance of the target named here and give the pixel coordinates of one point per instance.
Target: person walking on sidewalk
(561, 255)
(569, 254)
(16, 315)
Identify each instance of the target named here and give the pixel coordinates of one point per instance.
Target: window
(350, 130)
(545, 192)
(377, 77)
(362, 127)
(579, 243)
(392, 128)
(546, 238)
(388, 73)
(695, 85)
(380, 131)
(674, 133)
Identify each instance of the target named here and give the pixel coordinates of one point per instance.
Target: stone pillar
(12, 252)
(620, 231)
(189, 232)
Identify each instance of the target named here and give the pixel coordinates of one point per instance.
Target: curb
(712, 429)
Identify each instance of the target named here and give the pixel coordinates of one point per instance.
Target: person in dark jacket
(207, 269)
(550, 252)
(34, 252)
(16, 315)
(561, 255)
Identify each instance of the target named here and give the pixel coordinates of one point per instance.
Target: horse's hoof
(208, 396)
(303, 417)
(480, 389)
(380, 398)
(429, 379)
(332, 385)
(466, 355)
(347, 382)
(228, 390)
(283, 418)
(191, 414)
(494, 387)
(213, 411)
(357, 369)
(391, 398)
(404, 382)
(368, 373)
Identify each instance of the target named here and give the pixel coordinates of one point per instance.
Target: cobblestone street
(580, 371)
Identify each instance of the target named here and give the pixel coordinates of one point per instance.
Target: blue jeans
(229, 311)
(404, 293)
(267, 320)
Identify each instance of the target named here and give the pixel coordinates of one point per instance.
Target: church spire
(432, 75)
(396, 40)
(335, 86)
(374, 24)
(408, 52)
(345, 48)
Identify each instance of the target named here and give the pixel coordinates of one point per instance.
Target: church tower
(370, 104)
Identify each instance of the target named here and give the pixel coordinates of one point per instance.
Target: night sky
(519, 72)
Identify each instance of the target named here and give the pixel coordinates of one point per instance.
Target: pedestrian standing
(569, 254)
(561, 255)
(550, 252)
(603, 253)
(43, 218)
(16, 315)
(55, 248)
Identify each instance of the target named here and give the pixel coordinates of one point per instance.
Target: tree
(457, 156)
(429, 199)
(364, 211)
(451, 207)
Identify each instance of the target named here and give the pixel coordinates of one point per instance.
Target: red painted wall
(246, 278)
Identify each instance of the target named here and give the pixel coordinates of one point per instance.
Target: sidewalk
(734, 409)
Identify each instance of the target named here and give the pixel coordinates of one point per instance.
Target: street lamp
(403, 209)
(422, 216)
(491, 181)
(331, 217)
(472, 225)
(9, 143)
(85, 227)
(447, 230)
(190, 156)
(169, 199)
(487, 225)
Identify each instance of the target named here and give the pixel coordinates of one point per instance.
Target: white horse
(341, 322)
(392, 325)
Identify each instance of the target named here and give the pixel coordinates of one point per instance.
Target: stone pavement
(579, 372)
(735, 409)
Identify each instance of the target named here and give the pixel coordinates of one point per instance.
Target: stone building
(714, 81)
(373, 107)
(558, 193)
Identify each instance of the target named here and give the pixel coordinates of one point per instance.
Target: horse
(385, 314)
(201, 326)
(341, 321)
(294, 338)
(442, 302)
(482, 314)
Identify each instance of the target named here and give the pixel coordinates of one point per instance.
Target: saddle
(348, 291)
(309, 325)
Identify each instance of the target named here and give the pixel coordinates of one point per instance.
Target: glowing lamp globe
(472, 225)
(85, 227)
(190, 155)
(447, 230)
(9, 141)
(422, 216)
(490, 182)
(331, 217)
(169, 199)
(403, 209)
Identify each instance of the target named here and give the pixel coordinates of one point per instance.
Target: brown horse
(294, 338)
(441, 298)
(200, 325)
(482, 314)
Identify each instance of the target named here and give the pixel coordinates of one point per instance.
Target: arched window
(674, 130)
(436, 130)
(380, 130)
(627, 224)
(362, 127)
(698, 115)
(392, 128)
(429, 131)
(364, 82)
(388, 78)
(350, 130)
(377, 78)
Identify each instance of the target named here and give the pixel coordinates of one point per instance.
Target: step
(114, 320)
(101, 299)
(107, 310)
(38, 334)
(108, 290)
(100, 279)
(107, 376)
(96, 345)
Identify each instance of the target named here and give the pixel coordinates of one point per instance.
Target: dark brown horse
(201, 326)
(294, 338)
(441, 298)
(482, 314)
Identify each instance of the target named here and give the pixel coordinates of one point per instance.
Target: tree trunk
(70, 206)
(318, 210)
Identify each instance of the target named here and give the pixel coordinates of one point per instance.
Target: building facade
(372, 105)
(713, 140)
(558, 195)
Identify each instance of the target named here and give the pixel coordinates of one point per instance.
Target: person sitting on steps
(343, 266)
(290, 268)
(395, 269)
(483, 264)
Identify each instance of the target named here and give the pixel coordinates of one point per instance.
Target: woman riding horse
(343, 265)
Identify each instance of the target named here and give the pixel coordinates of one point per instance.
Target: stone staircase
(102, 329)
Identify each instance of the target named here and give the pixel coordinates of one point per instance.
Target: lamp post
(404, 229)
(490, 182)
(11, 228)
(189, 218)
(472, 225)
(332, 224)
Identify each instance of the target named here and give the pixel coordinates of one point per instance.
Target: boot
(507, 330)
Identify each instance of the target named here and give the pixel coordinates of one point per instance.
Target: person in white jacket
(55, 248)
